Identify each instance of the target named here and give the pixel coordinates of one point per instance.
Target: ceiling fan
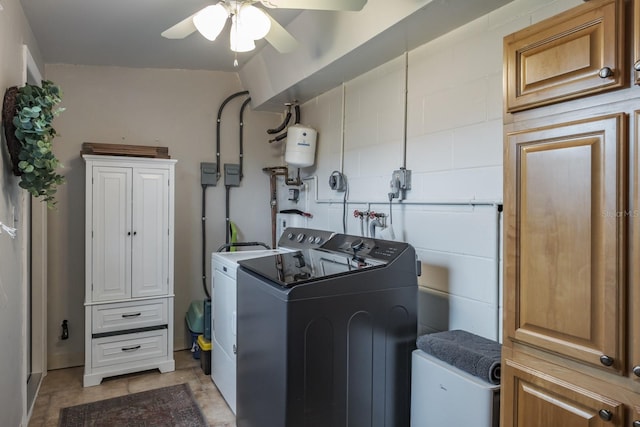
(250, 23)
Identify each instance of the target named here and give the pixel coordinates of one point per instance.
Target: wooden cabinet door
(634, 253)
(150, 242)
(565, 201)
(111, 237)
(576, 53)
(534, 399)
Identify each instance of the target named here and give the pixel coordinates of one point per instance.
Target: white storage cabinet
(129, 266)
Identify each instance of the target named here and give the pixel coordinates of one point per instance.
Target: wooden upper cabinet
(576, 53)
(565, 204)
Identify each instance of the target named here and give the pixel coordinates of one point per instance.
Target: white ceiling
(127, 33)
(335, 46)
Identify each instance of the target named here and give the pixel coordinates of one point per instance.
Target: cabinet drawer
(128, 348)
(566, 57)
(536, 399)
(129, 315)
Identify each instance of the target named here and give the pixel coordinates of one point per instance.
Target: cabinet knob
(605, 72)
(636, 372)
(605, 415)
(636, 65)
(606, 360)
(129, 234)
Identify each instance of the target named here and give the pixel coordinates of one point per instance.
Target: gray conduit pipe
(244, 105)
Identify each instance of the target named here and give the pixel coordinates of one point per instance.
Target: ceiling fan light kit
(239, 39)
(249, 23)
(210, 21)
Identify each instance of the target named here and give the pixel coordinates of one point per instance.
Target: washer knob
(300, 237)
(318, 240)
(290, 236)
(357, 244)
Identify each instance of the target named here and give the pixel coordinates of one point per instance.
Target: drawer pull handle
(605, 72)
(636, 372)
(134, 348)
(636, 66)
(606, 360)
(605, 415)
(130, 315)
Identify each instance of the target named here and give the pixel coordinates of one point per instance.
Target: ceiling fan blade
(280, 38)
(353, 5)
(181, 30)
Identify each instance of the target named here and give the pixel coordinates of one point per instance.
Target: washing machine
(325, 335)
(224, 266)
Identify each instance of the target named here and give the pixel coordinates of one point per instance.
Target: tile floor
(63, 387)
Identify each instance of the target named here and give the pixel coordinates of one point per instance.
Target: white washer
(224, 266)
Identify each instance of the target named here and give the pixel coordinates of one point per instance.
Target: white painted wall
(453, 148)
(14, 33)
(172, 108)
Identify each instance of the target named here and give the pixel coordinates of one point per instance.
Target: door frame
(35, 230)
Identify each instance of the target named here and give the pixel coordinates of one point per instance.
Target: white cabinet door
(111, 233)
(150, 256)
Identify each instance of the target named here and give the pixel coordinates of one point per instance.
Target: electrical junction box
(208, 174)
(337, 181)
(231, 175)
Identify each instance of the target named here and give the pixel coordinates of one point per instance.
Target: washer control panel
(303, 238)
(364, 247)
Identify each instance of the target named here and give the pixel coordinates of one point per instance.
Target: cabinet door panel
(534, 399)
(111, 239)
(151, 232)
(634, 256)
(561, 58)
(565, 199)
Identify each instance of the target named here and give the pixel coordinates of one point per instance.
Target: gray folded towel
(471, 353)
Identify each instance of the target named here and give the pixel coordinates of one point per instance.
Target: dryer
(224, 266)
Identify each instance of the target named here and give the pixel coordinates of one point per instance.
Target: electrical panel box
(231, 175)
(208, 174)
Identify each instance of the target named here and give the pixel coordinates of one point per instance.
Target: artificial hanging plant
(30, 134)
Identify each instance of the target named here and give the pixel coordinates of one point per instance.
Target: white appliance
(443, 395)
(224, 266)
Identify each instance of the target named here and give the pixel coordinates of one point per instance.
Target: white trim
(38, 276)
(29, 66)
